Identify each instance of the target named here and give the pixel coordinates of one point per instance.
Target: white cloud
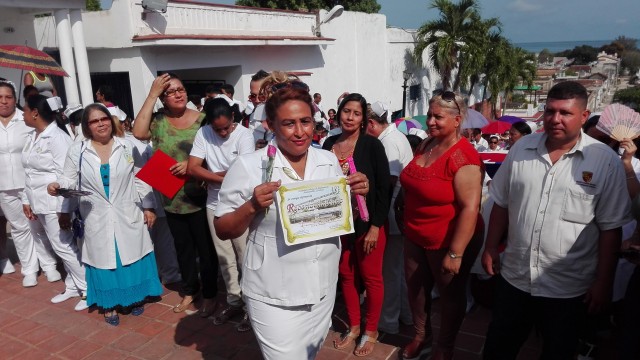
(523, 5)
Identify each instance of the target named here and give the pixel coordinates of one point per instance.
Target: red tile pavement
(31, 327)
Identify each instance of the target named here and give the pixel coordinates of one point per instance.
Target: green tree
(631, 60)
(582, 55)
(545, 56)
(368, 6)
(629, 97)
(93, 5)
(452, 36)
(627, 43)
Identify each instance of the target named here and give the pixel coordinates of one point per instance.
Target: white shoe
(6, 267)
(53, 275)
(81, 305)
(30, 280)
(66, 295)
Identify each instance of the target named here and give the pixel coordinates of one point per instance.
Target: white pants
(165, 251)
(291, 332)
(33, 254)
(230, 257)
(396, 300)
(46, 230)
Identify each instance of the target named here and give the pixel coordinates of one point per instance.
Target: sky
(529, 20)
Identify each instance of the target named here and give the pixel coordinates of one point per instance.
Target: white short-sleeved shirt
(556, 212)
(220, 153)
(12, 140)
(399, 153)
(273, 272)
(43, 161)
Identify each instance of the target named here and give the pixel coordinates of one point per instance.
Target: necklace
(341, 145)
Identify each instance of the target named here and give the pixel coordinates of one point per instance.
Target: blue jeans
(515, 312)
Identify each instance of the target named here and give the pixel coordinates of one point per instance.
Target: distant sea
(558, 46)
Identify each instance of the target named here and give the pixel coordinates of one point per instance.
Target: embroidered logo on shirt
(587, 176)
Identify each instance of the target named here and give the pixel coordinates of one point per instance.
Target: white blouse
(12, 140)
(43, 159)
(273, 272)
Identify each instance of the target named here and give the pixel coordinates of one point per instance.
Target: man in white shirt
(478, 141)
(396, 303)
(256, 122)
(562, 197)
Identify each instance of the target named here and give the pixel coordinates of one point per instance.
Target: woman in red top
(442, 187)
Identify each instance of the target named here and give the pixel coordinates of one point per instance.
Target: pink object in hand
(362, 203)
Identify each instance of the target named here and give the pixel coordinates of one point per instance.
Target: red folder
(156, 173)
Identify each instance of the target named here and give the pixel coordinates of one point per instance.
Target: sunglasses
(100, 120)
(448, 96)
(295, 84)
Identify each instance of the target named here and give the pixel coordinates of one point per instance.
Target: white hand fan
(619, 122)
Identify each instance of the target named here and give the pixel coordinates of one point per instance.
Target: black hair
(476, 131)
(567, 90)
(363, 103)
(39, 102)
(213, 88)
(107, 92)
(414, 141)
(261, 74)
(228, 88)
(214, 108)
(591, 122)
(27, 89)
(522, 127)
(76, 117)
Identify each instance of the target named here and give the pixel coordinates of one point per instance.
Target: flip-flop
(137, 311)
(363, 341)
(183, 306)
(112, 320)
(349, 337)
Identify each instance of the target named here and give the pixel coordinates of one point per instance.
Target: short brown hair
(282, 96)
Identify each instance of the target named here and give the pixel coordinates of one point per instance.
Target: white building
(203, 43)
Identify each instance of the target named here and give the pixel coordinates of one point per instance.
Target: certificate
(314, 210)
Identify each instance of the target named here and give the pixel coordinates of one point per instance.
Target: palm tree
(448, 35)
(474, 55)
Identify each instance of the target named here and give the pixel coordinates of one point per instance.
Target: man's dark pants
(515, 312)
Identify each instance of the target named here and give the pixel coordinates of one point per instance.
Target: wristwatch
(454, 255)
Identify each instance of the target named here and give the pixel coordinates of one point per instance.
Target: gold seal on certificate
(314, 210)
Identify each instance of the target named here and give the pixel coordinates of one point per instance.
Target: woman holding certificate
(172, 130)
(362, 252)
(442, 224)
(289, 290)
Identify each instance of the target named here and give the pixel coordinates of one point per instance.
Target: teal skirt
(124, 286)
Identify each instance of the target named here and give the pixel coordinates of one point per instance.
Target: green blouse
(177, 143)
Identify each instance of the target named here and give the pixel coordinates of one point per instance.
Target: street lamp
(405, 75)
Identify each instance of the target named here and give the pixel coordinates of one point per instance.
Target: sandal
(113, 320)
(137, 311)
(345, 340)
(245, 324)
(184, 304)
(363, 341)
(226, 314)
(416, 349)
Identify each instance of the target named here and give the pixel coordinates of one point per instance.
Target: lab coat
(117, 218)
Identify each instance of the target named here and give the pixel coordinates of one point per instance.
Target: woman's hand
(629, 150)
(159, 85)
(359, 183)
(179, 168)
(450, 265)
(52, 189)
(371, 239)
(26, 209)
(149, 217)
(263, 195)
(64, 221)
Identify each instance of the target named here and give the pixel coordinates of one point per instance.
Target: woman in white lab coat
(43, 158)
(117, 251)
(289, 291)
(13, 135)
